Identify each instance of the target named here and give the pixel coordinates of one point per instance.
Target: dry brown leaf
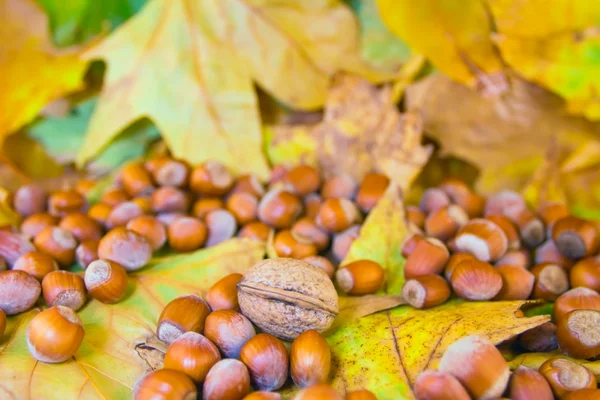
(361, 131)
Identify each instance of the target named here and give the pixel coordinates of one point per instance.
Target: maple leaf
(559, 53)
(34, 72)
(457, 39)
(119, 345)
(361, 131)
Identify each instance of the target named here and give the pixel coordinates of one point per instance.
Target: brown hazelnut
(322, 263)
(229, 330)
(527, 384)
(227, 379)
(35, 223)
(121, 214)
(426, 291)
(223, 294)
(211, 179)
(183, 314)
(151, 228)
(547, 252)
(114, 197)
(249, 184)
(58, 243)
(320, 391)
(310, 359)
(192, 354)
(256, 231)
(186, 234)
(127, 248)
(171, 172)
(66, 201)
(434, 199)
(13, 246)
(302, 180)
(106, 281)
(532, 229)
(575, 238)
(586, 273)
(136, 180)
(551, 281)
(205, 205)
(18, 291)
(99, 212)
(550, 213)
(81, 226)
(429, 257)
(36, 264)
(578, 333)
(415, 216)
(566, 376)
(444, 223)
(339, 186)
(312, 203)
(30, 199)
(437, 385)
(475, 280)
(540, 339)
(168, 218)
(279, 208)
(360, 277)
(243, 206)
(169, 199)
(517, 283)
(371, 189)
(509, 229)
(343, 241)
(221, 226)
(580, 298)
(287, 244)
(336, 215)
(63, 288)
(506, 202)
(482, 238)
(454, 260)
(267, 361)
(165, 384)
(86, 252)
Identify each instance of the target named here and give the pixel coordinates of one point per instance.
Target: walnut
(285, 297)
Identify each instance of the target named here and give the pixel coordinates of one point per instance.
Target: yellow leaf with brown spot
(381, 238)
(119, 345)
(34, 72)
(535, 360)
(362, 131)
(385, 352)
(557, 46)
(454, 35)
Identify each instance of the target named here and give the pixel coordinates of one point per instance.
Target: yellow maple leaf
(34, 72)
(454, 35)
(555, 46)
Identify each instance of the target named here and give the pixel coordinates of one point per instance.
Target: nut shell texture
(285, 297)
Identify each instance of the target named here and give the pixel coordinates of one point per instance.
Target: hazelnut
(364, 394)
(575, 238)
(531, 228)
(444, 223)
(310, 359)
(36, 264)
(35, 223)
(434, 199)
(99, 212)
(151, 228)
(127, 248)
(550, 213)
(66, 201)
(221, 226)
(478, 365)
(415, 216)
(302, 180)
(506, 202)
(312, 203)
(143, 202)
(426, 291)
(171, 172)
(547, 252)
(322, 263)
(168, 218)
(58, 243)
(106, 281)
(336, 215)
(3, 264)
(54, 335)
(81, 226)
(339, 186)
(243, 206)
(461, 194)
(520, 258)
(428, 257)
(256, 230)
(475, 280)
(320, 391)
(586, 273)
(30, 199)
(278, 173)
(551, 281)
(169, 199)
(517, 283)
(192, 354)
(410, 244)
(229, 330)
(165, 384)
(509, 229)
(287, 244)
(136, 180)
(279, 208)
(527, 384)
(580, 298)
(13, 246)
(122, 214)
(114, 197)
(371, 189)
(360, 277)
(437, 385)
(223, 294)
(342, 242)
(18, 291)
(578, 333)
(566, 376)
(87, 252)
(454, 260)
(211, 179)
(63, 288)
(2, 323)
(267, 361)
(483, 238)
(249, 184)
(205, 205)
(186, 234)
(584, 394)
(263, 395)
(540, 339)
(183, 314)
(227, 379)
(300, 297)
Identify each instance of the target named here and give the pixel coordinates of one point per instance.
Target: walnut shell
(285, 297)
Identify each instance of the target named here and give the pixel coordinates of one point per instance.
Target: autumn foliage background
(504, 93)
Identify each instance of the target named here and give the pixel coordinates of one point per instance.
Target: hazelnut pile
(498, 249)
(166, 203)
